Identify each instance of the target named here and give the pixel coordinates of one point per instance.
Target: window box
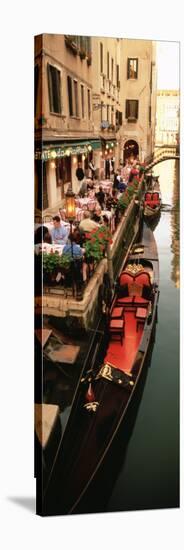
(70, 44)
(89, 59)
(82, 54)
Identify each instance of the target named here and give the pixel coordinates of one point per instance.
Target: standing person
(100, 197)
(59, 233)
(80, 173)
(93, 169)
(117, 179)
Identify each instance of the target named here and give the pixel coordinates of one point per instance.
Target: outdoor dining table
(45, 247)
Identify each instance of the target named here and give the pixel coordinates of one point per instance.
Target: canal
(148, 474)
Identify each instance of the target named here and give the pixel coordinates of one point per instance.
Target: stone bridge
(162, 153)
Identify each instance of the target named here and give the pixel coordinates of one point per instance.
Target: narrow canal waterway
(149, 473)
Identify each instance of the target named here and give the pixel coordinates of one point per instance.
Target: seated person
(83, 189)
(87, 224)
(59, 233)
(42, 235)
(105, 220)
(73, 248)
(100, 197)
(122, 186)
(109, 200)
(97, 216)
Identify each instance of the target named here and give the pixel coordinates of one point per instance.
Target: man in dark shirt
(80, 172)
(100, 197)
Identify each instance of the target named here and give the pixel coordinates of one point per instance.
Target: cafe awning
(58, 149)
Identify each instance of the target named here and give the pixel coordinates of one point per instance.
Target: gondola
(105, 392)
(152, 203)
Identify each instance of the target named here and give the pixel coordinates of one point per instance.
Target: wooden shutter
(36, 76)
(127, 108)
(136, 109)
(128, 66)
(50, 87)
(120, 118)
(69, 81)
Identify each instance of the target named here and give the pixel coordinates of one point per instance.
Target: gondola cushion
(140, 300)
(143, 278)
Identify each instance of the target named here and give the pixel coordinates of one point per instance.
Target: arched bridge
(165, 152)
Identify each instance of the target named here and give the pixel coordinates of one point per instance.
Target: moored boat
(104, 395)
(151, 204)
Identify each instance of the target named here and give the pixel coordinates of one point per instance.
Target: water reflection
(175, 229)
(168, 173)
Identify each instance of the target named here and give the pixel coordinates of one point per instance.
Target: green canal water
(148, 475)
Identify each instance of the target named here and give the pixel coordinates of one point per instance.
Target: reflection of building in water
(175, 229)
(167, 119)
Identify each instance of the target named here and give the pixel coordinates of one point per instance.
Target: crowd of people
(105, 202)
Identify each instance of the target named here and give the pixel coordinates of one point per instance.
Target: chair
(140, 315)
(117, 313)
(116, 328)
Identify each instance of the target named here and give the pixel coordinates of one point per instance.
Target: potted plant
(89, 59)
(82, 53)
(53, 263)
(123, 201)
(96, 243)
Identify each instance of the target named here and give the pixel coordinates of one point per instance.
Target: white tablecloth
(45, 247)
(50, 225)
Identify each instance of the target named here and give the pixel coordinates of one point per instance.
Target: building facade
(107, 115)
(63, 114)
(167, 123)
(138, 98)
(94, 100)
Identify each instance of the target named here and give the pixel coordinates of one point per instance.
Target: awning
(65, 148)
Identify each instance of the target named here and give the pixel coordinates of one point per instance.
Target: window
(89, 104)
(112, 116)
(101, 110)
(36, 77)
(132, 68)
(63, 171)
(117, 77)
(70, 98)
(54, 84)
(101, 57)
(107, 64)
(132, 107)
(82, 101)
(112, 69)
(108, 113)
(76, 98)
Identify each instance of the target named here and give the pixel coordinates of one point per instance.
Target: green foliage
(53, 260)
(123, 201)
(96, 242)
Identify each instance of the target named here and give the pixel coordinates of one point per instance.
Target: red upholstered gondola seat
(143, 278)
(155, 197)
(117, 312)
(116, 327)
(148, 196)
(140, 301)
(127, 300)
(126, 279)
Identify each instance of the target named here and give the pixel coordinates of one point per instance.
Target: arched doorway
(131, 149)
